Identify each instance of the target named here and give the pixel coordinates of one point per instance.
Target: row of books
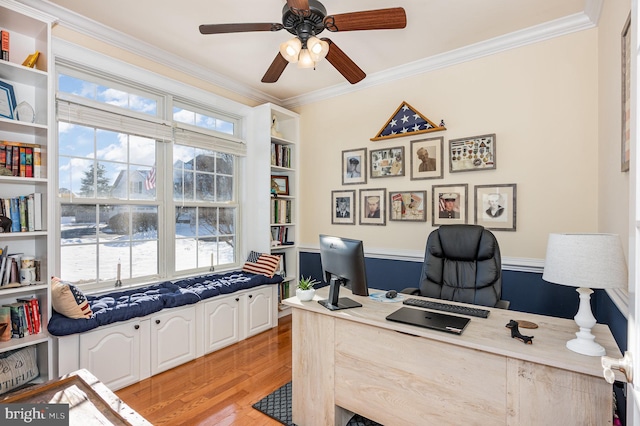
(280, 234)
(22, 159)
(23, 318)
(280, 210)
(4, 37)
(25, 212)
(280, 155)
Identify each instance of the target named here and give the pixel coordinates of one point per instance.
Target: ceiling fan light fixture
(290, 50)
(318, 49)
(305, 60)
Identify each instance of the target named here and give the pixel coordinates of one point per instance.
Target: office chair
(462, 263)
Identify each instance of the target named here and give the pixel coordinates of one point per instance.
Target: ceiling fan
(306, 19)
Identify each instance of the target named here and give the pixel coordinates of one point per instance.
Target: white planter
(305, 295)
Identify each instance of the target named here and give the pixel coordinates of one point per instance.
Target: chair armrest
(411, 290)
(503, 304)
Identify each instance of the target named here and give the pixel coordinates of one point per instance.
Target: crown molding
(577, 22)
(556, 28)
(102, 33)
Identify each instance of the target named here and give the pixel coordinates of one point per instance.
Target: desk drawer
(396, 378)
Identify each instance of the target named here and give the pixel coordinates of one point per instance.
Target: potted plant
(305, 290)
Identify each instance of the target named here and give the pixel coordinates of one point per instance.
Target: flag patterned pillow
(68, 300)
(260, 263)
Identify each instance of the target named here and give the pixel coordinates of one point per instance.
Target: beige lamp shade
(585, 260)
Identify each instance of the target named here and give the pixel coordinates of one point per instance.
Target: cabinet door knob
(237, 299)
(157, 321)
(250, 296)
(137, 326)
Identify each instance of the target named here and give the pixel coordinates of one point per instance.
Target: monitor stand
(335, 303)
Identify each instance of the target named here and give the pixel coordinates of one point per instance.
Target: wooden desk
(356, 361)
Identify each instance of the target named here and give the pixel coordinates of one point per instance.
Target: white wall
(541, 101)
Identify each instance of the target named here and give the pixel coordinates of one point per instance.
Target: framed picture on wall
(626, 95)
(387, 162)
(343, 207)
(427, 158)
(472, 153)
(449, 204)
(373, 206)
(408, 206)
(495, 206)
(354, 166)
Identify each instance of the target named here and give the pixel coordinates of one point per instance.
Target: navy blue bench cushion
(123, 305)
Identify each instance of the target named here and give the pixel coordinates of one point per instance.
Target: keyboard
(445, 307)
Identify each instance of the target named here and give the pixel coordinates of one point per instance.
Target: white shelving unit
(29, 31)
(263, 163)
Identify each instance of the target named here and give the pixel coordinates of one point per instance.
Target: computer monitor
(343, 264)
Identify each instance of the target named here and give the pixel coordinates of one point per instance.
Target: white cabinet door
(261, 311)
(112, 354)
(173, 338)
(222, 322)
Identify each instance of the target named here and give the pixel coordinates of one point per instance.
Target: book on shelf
(5, 42)
(25, 212)
(34, 319)
(280, 210)
(280, 155)
(15, 215)
(22, 205)
(19, 327)
(23, 159)
(37, 162)
(3, 263)
(5, 318)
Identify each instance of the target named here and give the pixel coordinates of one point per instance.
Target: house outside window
(139, 192)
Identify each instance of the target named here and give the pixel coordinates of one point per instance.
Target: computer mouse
(391, 294)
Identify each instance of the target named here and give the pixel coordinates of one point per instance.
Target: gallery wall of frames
(424, 158)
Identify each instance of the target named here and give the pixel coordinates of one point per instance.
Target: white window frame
(69, 56)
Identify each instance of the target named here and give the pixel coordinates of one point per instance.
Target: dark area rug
(277, 405)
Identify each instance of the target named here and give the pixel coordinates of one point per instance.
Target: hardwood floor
(218, 388)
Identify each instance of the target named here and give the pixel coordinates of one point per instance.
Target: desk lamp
(585, 261)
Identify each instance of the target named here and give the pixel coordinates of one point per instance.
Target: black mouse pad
(429, 319)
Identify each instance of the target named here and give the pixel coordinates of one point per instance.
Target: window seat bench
(135, 334)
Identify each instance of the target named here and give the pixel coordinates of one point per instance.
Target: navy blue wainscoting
(526, 291)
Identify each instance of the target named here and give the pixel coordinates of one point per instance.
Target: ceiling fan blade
(275, 69)
(299, 7)
(343, 63)
(379, 19)
(237, 28)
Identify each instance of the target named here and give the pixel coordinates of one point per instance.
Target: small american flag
(150, 180)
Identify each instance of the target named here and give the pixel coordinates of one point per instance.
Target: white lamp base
(584, 343)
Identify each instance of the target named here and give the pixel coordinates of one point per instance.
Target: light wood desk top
(484, 334)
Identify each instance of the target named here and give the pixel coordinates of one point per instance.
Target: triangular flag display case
(407, 121)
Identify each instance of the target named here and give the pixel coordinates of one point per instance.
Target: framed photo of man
(495, 206)
(354, 166)
(343, 207)
(373, 206)
(387, 162)
(427, 159)
(449, 204)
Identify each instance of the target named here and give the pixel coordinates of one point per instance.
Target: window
(189, 115)
(138, 194)
(205, 236)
